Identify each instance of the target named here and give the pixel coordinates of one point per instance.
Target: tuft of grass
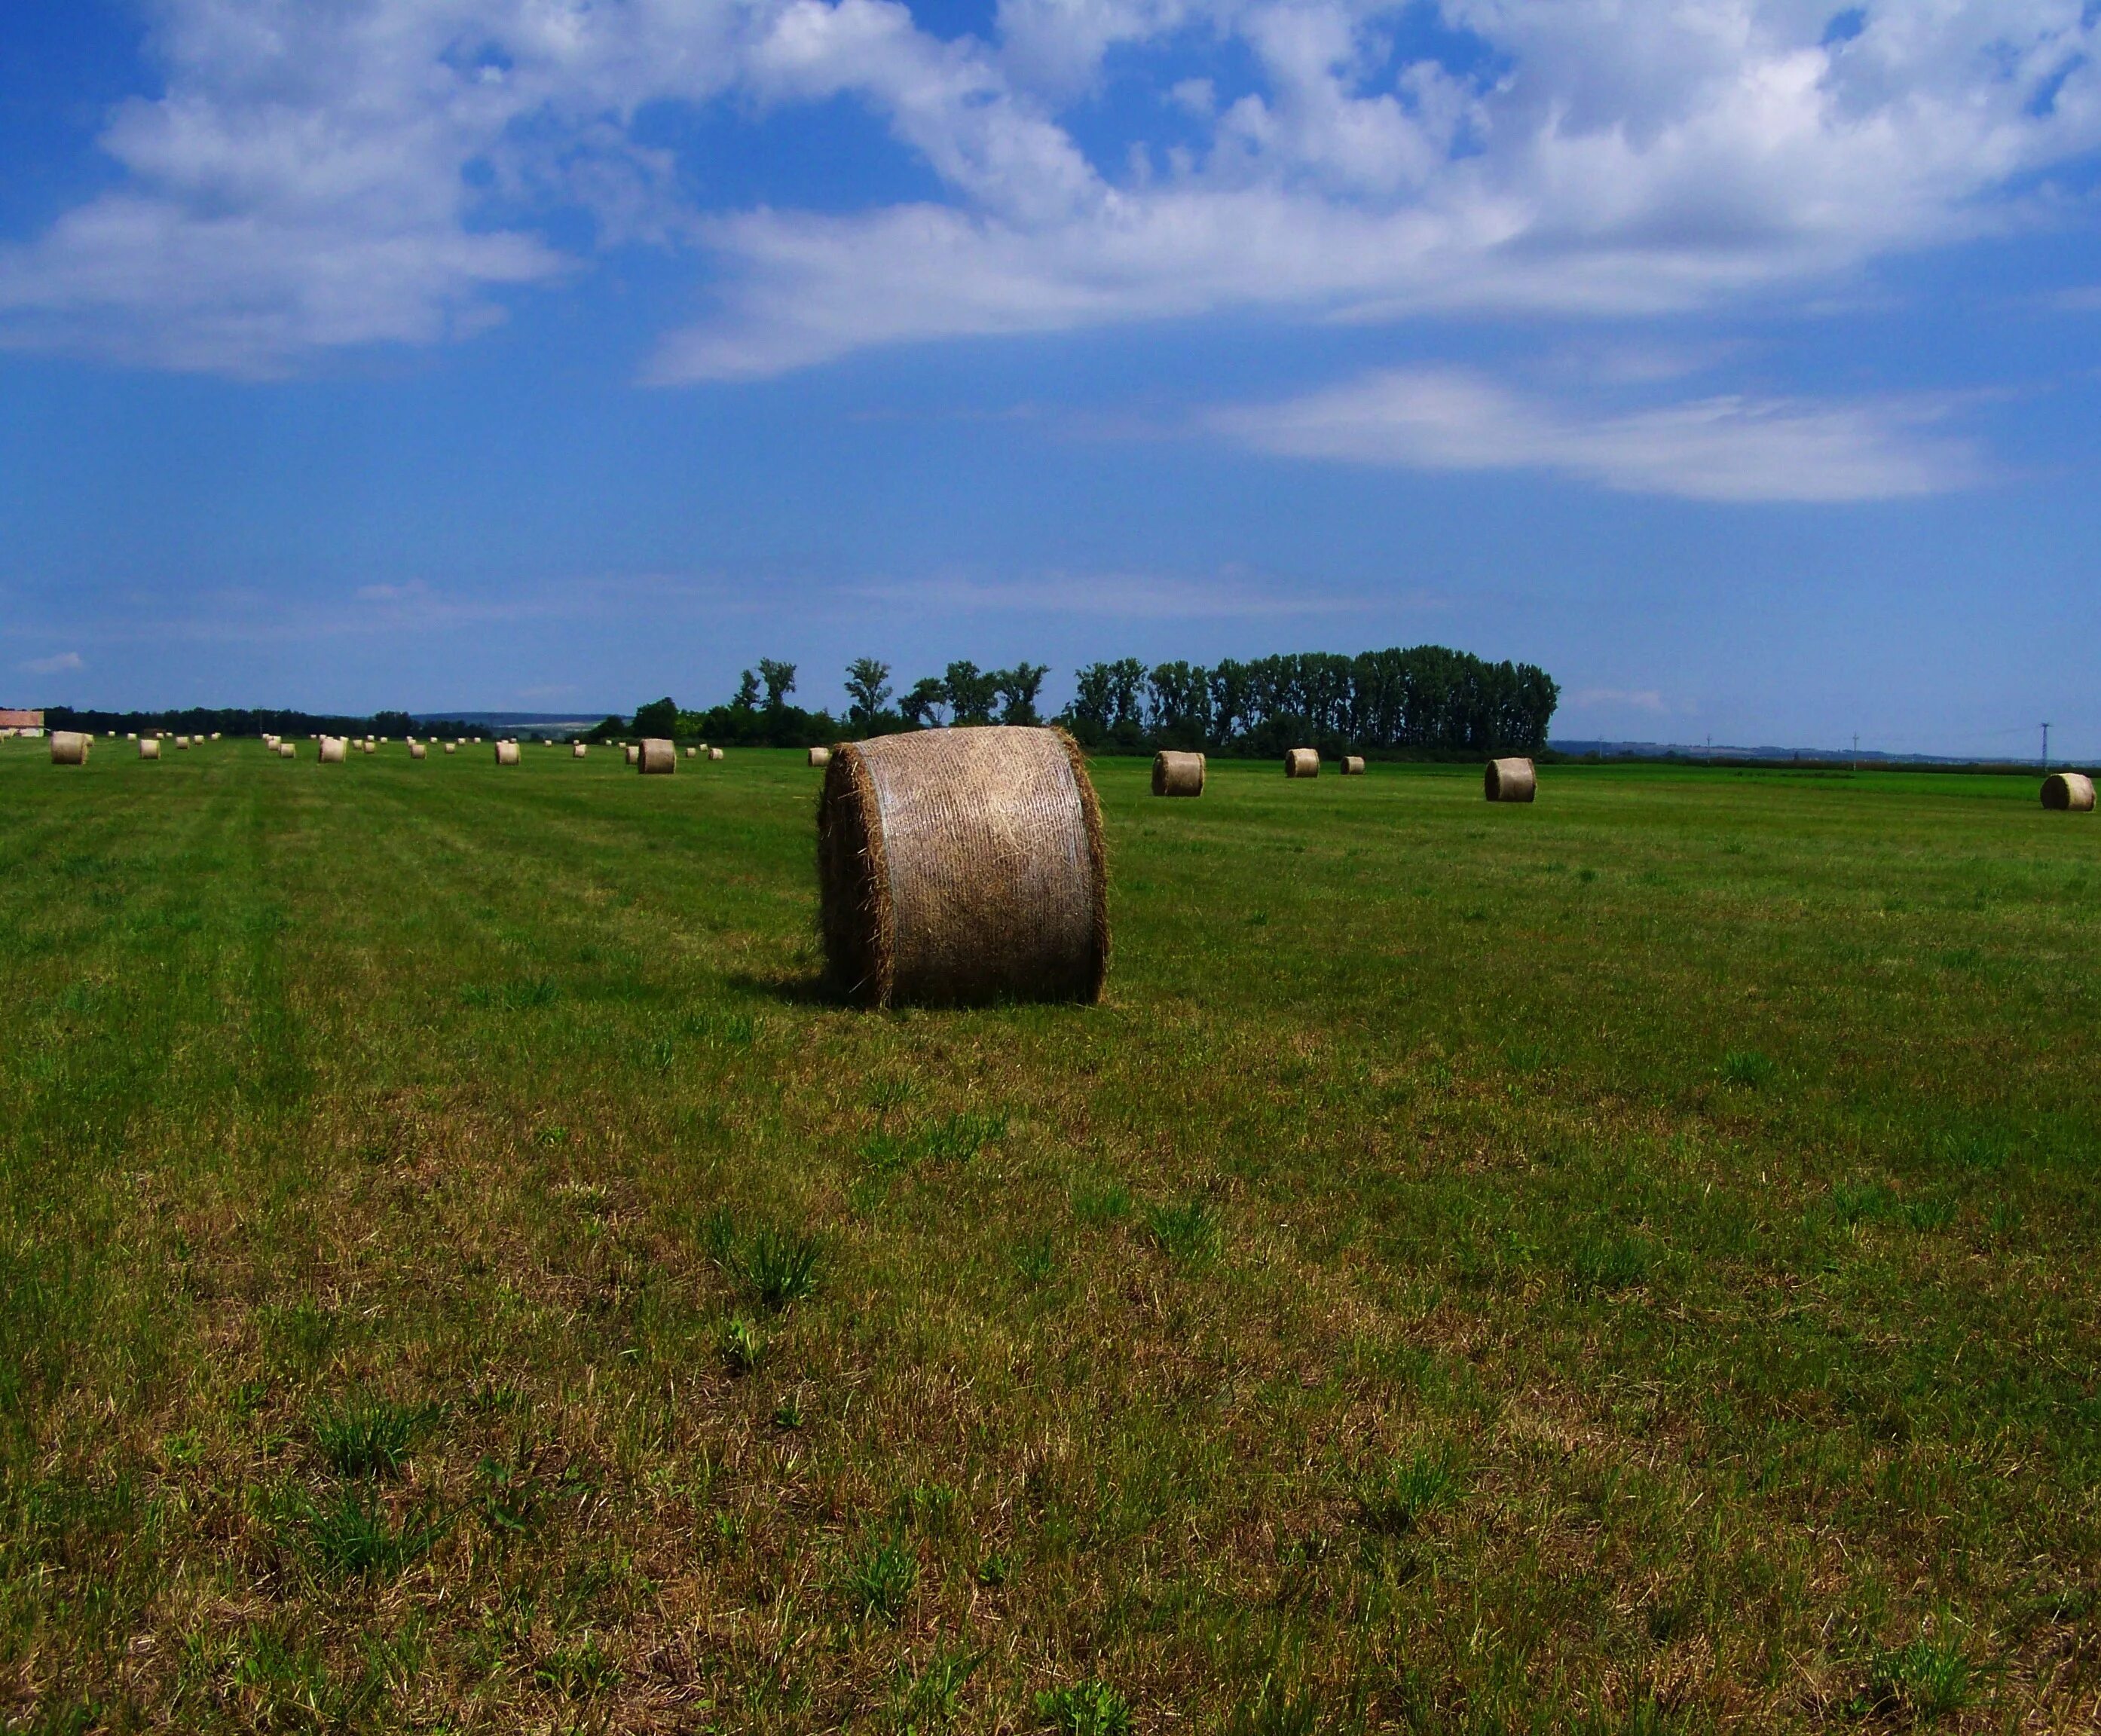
(1035, 1258)
(1862, 1202)
(1187, 1230)
(773, 1266)
(930, 1698)
(742, 1346)
(1404, 1491)
(580, 1669)
(1277, 1712)
(364, 1436)
(1927, 1679)
(1608, 1264)
(1748, 1068)
(353, 1535)
(1985, 1154)
(876, 1580)
(1103, 1203)
(1087, 1708)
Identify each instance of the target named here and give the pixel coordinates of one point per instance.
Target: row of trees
(1425, 699)
(202, 720)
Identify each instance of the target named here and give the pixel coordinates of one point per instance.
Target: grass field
(1627, 1264)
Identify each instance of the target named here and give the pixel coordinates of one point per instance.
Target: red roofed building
(21, 720)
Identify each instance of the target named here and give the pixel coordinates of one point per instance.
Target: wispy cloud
(1615, 698)
(1116, 596)
(1723, 448)
(58, 664)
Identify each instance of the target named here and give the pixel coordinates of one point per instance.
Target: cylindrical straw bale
(1509, 780)
(417, 750)
(68, 747)
(1301, 762)
(451, 747)
(216, 734)
(183, 743)
(149, 748)
(960, 865)
(131, 735)
(820, 755)
(576, 750)
(1178, 774)
(2070, 792)
(714, 752)
(1353, 764)
(690, 751)
(657, 758)
(634, 753)
(334, 750)
(506, 753)
(286, 750)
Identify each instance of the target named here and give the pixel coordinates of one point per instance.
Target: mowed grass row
(1624, 1264)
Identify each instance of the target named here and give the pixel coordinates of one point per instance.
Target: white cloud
(1615, 698)
(316, 177)
(64, 662)
(1125, 595)
(1724, 448)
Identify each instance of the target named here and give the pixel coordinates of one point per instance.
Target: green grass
(1623, 1264)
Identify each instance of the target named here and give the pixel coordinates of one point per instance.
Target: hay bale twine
(334, 750)
(2068, 792)
(820, 755)
(714, 752)
(417, 750)
(576, 750)
(1509, 780)
(68, 747)
(149, 748)
(1301, 762)
(657, 758)
(960, 865)
(1178, 774)
(506, 753)
(634, 753)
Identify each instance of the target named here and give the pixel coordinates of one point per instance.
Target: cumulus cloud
(391, 170)
(1723, 448)
(65, 662)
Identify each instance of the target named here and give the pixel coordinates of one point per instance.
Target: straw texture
(1301, 762)
(820, 755)
(1509, 780)
(962, 865)
(2068, 792)
(1353, 764)
(68, 747)
(1178, 774)
(334, 750)
(506, 753)
(657, 759)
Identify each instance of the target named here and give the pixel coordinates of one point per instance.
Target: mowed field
(1625, 1264)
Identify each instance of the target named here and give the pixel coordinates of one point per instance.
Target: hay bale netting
(506, 753)
(820, 755)
(1353, 764)
(334, 750)
(1178, 774)
(576, 750)
(657, 758)
(1301, 762)
(962, 865)
(417, 750)
(2068, 792)
(149, 748)
(68, 747)
(1509, 780)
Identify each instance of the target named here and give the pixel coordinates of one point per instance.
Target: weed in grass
(184, 1449)
(662, 1052)
(1259, 919)
(788, 1414)
(364, 1435)
(742, 1346)
(507, 1497)
(1404, 1490)
(775, 1266)
(1927, 1679)
(929, 1508)
(352, 1534)
(885, 1095)
(1187, 1230)
(1747, 1068)
(2005, 1217)
(995, 1569)
(1088, 1709)
(1985, 1154)
(579, 1670)
(1586, 875)
(877, 1578)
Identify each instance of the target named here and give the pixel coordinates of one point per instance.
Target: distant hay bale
(2068, 792)
(68, 747)
(820, 755)
(1509, 780)
(417, 750)
(286, 750)
(131, 735)
(451, 747)
(334, 750)
(690, 751)
(657, 758)
(215, 734)
(714, 753)
(506, 753)
(1178, 774)
(182, 743)
(1353, 764)
(632, 753)
(962, 865)
(149, 748)
(576, 750)
(1301, 762)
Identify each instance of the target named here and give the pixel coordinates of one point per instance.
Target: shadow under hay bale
(1301, 762)
(657, 759)
(961, 866)
(1178, 774)
(1509, 780)
(68, 747)
(1353, 764)
(2068, 793)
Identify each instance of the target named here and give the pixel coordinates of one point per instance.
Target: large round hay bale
(149, 748)
(959, 865)
(1301, 762)
(634, 753)
(690, 751)
(1178, 774)
(1509, 780)
(286, 750)
(2068, 792)
(451, 747)
(334, 749)
(576, 750)
(1353, 764)
(417, 750)
(68, 747)
(506, 753)
(182, 743)
(714, 753)
(820, 755)
(657, 758)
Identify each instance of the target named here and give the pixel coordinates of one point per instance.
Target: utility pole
(2045, 747)
(1857, 750)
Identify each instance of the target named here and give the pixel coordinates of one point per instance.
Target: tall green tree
(779, 679)
(868, 690)
(1018, 688)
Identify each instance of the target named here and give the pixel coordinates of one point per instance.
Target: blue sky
(1736, 361)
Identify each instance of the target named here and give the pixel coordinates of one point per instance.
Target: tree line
(1424, 699)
